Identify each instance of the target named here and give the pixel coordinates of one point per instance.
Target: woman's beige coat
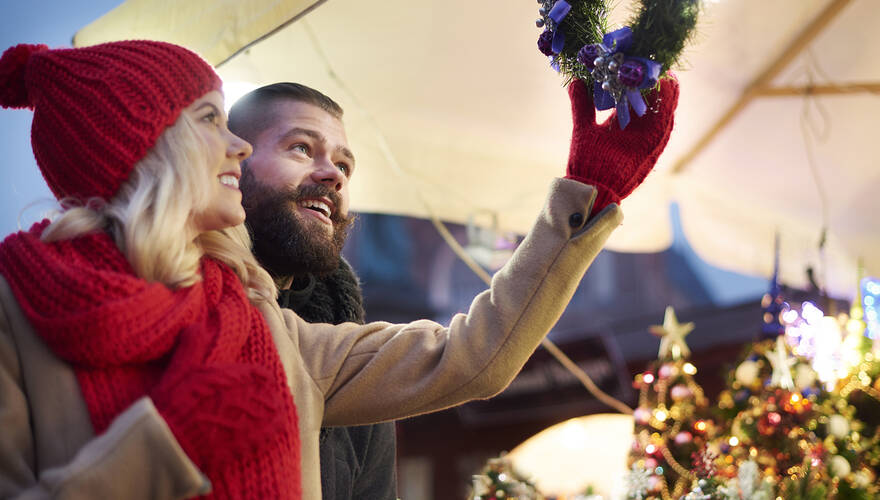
(339, 375)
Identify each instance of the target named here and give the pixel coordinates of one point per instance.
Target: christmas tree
(499, 481)
(861, 386)
(671, 421)
(791, 428)
(799, 419)
(804, 441)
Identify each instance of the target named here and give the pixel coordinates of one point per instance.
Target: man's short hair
(252, 114)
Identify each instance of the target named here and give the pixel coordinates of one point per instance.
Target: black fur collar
(335, 298)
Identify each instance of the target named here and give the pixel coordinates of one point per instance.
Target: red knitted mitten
(617, 161)
(216, 411)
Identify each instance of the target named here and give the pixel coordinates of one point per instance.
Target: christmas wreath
(620, 64)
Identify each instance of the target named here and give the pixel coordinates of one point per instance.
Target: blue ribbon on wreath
(557, 14)
(618, 78)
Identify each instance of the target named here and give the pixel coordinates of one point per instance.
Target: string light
(832, 344)
(827, 356)
(870, 303)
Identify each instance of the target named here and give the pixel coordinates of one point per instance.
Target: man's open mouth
(318, 206)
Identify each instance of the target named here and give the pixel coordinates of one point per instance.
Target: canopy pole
(267, 35)
(830, 89)
(759, 84)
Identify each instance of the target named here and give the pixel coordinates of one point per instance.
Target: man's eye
(344, 168)
(300, 148)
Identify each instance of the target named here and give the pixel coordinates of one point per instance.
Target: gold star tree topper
(672, 334)
(781, 364)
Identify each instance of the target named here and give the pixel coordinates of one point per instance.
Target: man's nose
(328, 174)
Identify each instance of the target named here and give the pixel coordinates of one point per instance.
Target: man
(295, 194)
(295, 188)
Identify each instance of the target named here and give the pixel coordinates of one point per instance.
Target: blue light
(871, 294)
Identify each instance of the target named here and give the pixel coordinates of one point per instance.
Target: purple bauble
(680, 392)
(588, 54)
(683, 438)
(545, 43)
(642, 415)
(631, 73)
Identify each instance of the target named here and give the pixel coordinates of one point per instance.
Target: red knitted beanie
(99, 109)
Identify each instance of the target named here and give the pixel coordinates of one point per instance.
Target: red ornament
(768, 423)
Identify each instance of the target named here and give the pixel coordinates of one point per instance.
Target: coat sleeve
(380, 371)
(137, 457)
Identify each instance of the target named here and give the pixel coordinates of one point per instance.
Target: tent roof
(452, 112)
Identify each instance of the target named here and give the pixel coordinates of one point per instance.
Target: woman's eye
(211, 117)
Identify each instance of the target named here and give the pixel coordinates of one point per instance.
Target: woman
(142, 354)
(119, 291)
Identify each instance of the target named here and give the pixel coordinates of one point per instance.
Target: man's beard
(284, 243)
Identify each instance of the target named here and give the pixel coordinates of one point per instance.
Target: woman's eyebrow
(208, 104)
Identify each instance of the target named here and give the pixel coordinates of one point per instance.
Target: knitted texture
(213, 408)
(335, 298)
(617, 161)
(99, 109)
(203, 353)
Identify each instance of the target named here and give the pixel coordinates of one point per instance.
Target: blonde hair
(153, 211)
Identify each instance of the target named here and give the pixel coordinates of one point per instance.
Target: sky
(23, 193)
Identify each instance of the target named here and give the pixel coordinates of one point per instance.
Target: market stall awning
(452, 111)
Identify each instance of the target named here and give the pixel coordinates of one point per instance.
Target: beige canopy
(452, 111)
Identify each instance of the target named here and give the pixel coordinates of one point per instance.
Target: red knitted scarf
(117, 331)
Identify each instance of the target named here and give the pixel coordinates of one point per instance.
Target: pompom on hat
(99, 109)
